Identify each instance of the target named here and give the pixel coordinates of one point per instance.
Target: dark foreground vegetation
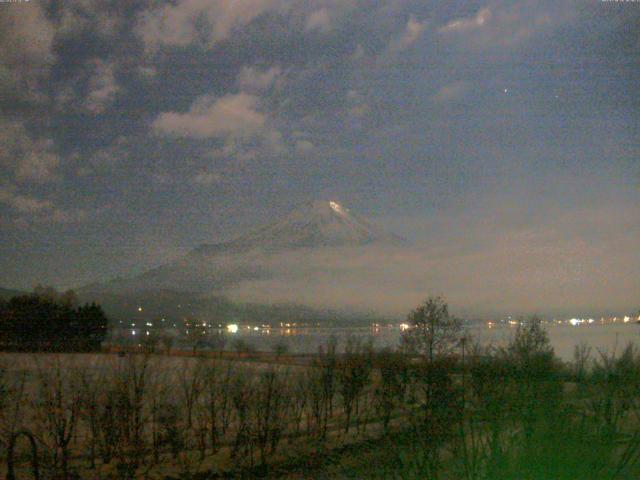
(440, 406)
(48, 321)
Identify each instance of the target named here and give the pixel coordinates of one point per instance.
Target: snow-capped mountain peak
(324, 223)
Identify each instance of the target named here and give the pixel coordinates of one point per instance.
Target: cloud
(483, 264)
(234, 119)
(463, 24)
(23, 203)
(206, 178)
(78, 16)
(102, 86)
(39, 164)
(93, 88)
(104, 160)
(203, 22)
(412, 32)
(356, 106)
(252, 79)
(318, 20)
(503, 26)
(304, 146)
(453, 91)
(26, 36)
(32, 209)
(27, 158)
(147, 72)
(234, 115)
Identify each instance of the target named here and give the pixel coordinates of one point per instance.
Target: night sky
(501, 138)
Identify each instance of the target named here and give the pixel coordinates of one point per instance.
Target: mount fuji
(212, 268)
(314, 224)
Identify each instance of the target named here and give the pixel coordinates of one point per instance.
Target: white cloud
(28, 159)
(22, 203)
(235, 119)
(93, 88)
(461, 24)
(206, 178)
(453, 91)
(81, 15)
(319, 20)
(39, 164)
(253, 79)
(411, 33)
(234, 115)
(503, 27)
(26, 36)
(32, 209)
(102, 86)
(356, 106)
(304, 146)
(180, 24)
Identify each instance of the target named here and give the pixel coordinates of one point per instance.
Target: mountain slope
(214, 267)
(315, 224)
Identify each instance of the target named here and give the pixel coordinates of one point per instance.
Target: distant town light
(139, 309)
(232, 328)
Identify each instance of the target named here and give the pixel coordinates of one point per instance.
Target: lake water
(564, 338)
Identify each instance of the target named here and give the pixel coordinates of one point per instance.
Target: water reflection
(564, 338)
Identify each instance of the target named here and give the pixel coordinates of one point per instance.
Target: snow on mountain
(214, 267)
(315, 224)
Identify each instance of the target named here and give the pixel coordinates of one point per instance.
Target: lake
(564, 338)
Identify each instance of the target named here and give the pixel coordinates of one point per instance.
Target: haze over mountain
(330, 258)
(213, 268)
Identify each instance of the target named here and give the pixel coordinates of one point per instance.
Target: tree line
(46, 320)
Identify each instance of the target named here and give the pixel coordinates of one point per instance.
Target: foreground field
(484, 414)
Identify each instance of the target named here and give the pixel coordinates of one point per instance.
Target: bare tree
(241, 396)
(58, 408)
(432, 330)
(581, 361)
(91, 399)
(127, 408)
(190, 385)
(12, 411)
(354, 370)
(269, 408)
(389, 393)
(317, 410)
(299, 399)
